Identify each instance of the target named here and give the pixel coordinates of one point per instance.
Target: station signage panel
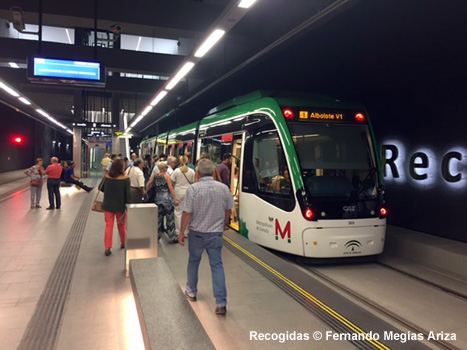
(70, 72)
(94, 125)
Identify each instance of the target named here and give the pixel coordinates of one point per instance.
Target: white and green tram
(306, 174)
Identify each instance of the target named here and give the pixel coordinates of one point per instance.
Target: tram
(306, 175)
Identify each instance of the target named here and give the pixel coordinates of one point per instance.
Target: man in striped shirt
(208, 204)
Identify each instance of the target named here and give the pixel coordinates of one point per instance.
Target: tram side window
(270, 167)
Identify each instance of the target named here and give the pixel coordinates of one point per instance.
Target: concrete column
(115, 144)
(77, 132)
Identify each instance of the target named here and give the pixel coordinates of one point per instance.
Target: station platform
(59, 291)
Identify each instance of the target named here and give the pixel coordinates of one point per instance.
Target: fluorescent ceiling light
(246, 3)
(159, 97)
(210, 42)
(68, 35)
(146, 111)
(181, 73)
(26, 102)
(40, 111)
(139, 43)
(13, 65)
(8, 89)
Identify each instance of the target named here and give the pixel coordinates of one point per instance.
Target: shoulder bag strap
(186, 177)
(100, 188)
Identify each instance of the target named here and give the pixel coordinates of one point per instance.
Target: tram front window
(336, 160)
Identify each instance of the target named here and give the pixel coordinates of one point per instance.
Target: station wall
(37, 141)
(421, 131)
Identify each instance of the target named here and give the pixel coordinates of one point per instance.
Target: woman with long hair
(116, 188)
(35, 173)
(182, 178)
(166, 200)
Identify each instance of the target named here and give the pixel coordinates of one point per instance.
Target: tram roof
(183, 129)
(243, 104)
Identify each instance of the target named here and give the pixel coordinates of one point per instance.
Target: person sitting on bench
(71, 178)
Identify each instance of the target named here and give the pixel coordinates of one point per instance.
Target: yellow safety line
(310, 297)
(14, 194)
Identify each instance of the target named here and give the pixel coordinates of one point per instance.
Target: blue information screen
(65, 69)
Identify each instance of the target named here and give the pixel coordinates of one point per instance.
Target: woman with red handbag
(35, 173)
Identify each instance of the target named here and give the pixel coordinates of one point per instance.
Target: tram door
(234, 179)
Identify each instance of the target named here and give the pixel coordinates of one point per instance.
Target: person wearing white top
(171, 162)
(136, 180)
(182, 178)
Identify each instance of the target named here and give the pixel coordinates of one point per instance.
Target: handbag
(36, 182)
(97, 205)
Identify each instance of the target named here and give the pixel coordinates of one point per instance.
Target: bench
(166, 318)
(65, 184)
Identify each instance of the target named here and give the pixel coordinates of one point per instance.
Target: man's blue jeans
(212, 242)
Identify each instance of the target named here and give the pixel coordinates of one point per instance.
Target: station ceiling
(345, 48)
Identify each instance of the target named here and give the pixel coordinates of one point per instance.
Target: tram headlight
(383, 212)
(309, 214)
(360, 117)
(288, 113)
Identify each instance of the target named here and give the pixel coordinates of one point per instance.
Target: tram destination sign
(324, 115)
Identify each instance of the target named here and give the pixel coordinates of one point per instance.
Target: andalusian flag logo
(352, 245)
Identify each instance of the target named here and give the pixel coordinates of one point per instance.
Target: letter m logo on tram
(284, 233)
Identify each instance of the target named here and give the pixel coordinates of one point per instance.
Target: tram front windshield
(336, 160)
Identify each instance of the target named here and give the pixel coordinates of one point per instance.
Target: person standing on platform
(161, 159)
(112, 158)
(105, 161)
(224, 170)
(208, 203)
(182, 178)
(116, 188)
(136, 176)
(165, 200)
(54, 171)
(132, 160)
(190, 161)
(72, 179)
(172, 163)
(35, 173)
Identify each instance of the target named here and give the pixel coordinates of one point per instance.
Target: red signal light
(359, 117)
(383, 212)
(288, 113)
(18, 140)
(309, 214)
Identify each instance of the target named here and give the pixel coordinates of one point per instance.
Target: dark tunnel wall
(37, 141)
(421, 129)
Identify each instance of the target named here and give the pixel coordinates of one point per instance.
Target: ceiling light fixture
(210, 42)
(13, 65)
(139, 43)
(40, 111)
(180, 74)
(246, 3)
(8, 89)
(159, 97)
(26, 102)
(146, 111)
(68, 35)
